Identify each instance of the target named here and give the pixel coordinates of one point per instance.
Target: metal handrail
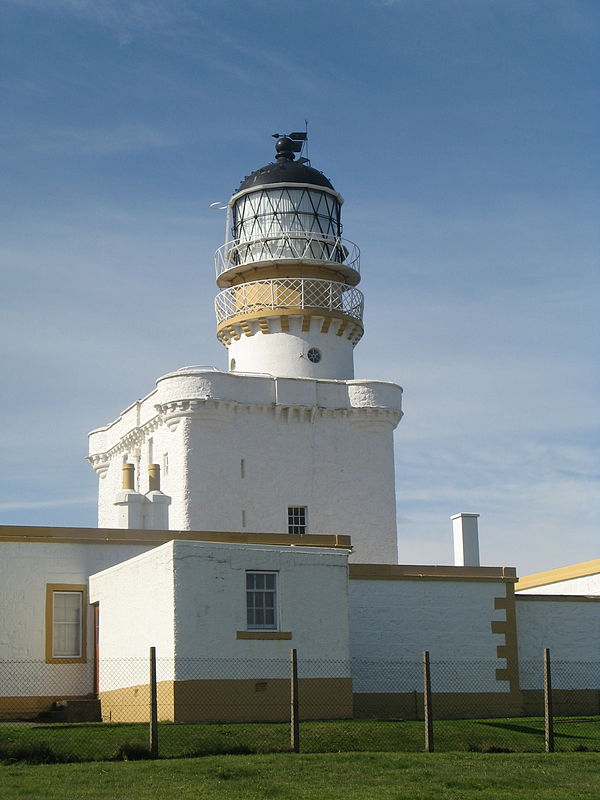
(289, 293)
(289, 244)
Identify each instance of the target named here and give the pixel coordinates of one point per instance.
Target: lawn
(56, 742)
(352, 776)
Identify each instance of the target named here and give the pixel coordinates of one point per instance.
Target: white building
(286, 440)
(230, 503)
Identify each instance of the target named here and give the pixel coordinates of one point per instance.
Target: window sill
(263, 635)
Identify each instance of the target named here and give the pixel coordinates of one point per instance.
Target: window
(261, 607)
(314, 355)
(297, 519)
(65, 623)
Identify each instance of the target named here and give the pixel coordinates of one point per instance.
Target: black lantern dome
(285, 169)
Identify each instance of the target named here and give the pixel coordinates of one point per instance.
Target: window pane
(260, 600)
(296, 519)
(66, 624)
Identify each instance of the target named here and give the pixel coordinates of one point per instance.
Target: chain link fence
(206, 706)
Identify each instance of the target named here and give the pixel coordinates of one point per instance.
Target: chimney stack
(466, 540)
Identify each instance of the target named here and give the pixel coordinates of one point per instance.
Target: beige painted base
(18, 708)
(132, 704)
(409, 705)
(473, 705)
(565, 702)
(231, 701)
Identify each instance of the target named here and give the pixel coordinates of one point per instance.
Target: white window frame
(254, 591)
(291, 515)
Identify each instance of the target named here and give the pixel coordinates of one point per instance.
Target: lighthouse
(289, 304)
(284, 439)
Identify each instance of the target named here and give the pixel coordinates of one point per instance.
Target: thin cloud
(24, 505)
(111, 13)
(131, 138)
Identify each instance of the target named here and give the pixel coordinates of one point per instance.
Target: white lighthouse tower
(289, 305)
(285, 440)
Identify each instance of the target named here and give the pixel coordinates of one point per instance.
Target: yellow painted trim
(581, 570)
(284, 322)
(128, 536)
(263, 324)
(342, 327)
(325, 325)
(263, 635)
(394, 572)
(291, 311)
(246, 328)
(509, 650)
(559, 598)
(306, 320)
(65, 587)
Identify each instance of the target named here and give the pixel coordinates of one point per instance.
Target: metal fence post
(548, 717)
(153, 706)
(294, 716)
(427, 710)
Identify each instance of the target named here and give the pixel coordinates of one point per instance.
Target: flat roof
(398, 572)
(49, 535)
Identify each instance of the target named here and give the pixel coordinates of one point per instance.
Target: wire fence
(203, 706)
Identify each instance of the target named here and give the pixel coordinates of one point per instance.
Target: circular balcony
(289, 294)
(333, 253)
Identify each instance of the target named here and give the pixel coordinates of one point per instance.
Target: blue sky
(463, 135)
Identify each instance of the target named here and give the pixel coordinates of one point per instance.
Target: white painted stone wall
(189, 600)
(25, 569)
(393, 621)
(285, 353)
(323, 444)
(571, 630)
(590, 585)
(136, 601)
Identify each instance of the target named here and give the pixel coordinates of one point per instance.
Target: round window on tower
(314, 355)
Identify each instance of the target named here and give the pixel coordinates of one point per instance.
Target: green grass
(56, 742)
(352, 776)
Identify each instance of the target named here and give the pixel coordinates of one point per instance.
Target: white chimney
(466, 540)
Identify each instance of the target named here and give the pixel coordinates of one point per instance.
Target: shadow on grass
(535, 731)
(65, 726)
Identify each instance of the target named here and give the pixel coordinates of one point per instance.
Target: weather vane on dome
(289, 143)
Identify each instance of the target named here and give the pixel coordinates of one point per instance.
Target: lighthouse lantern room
(289, 305)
